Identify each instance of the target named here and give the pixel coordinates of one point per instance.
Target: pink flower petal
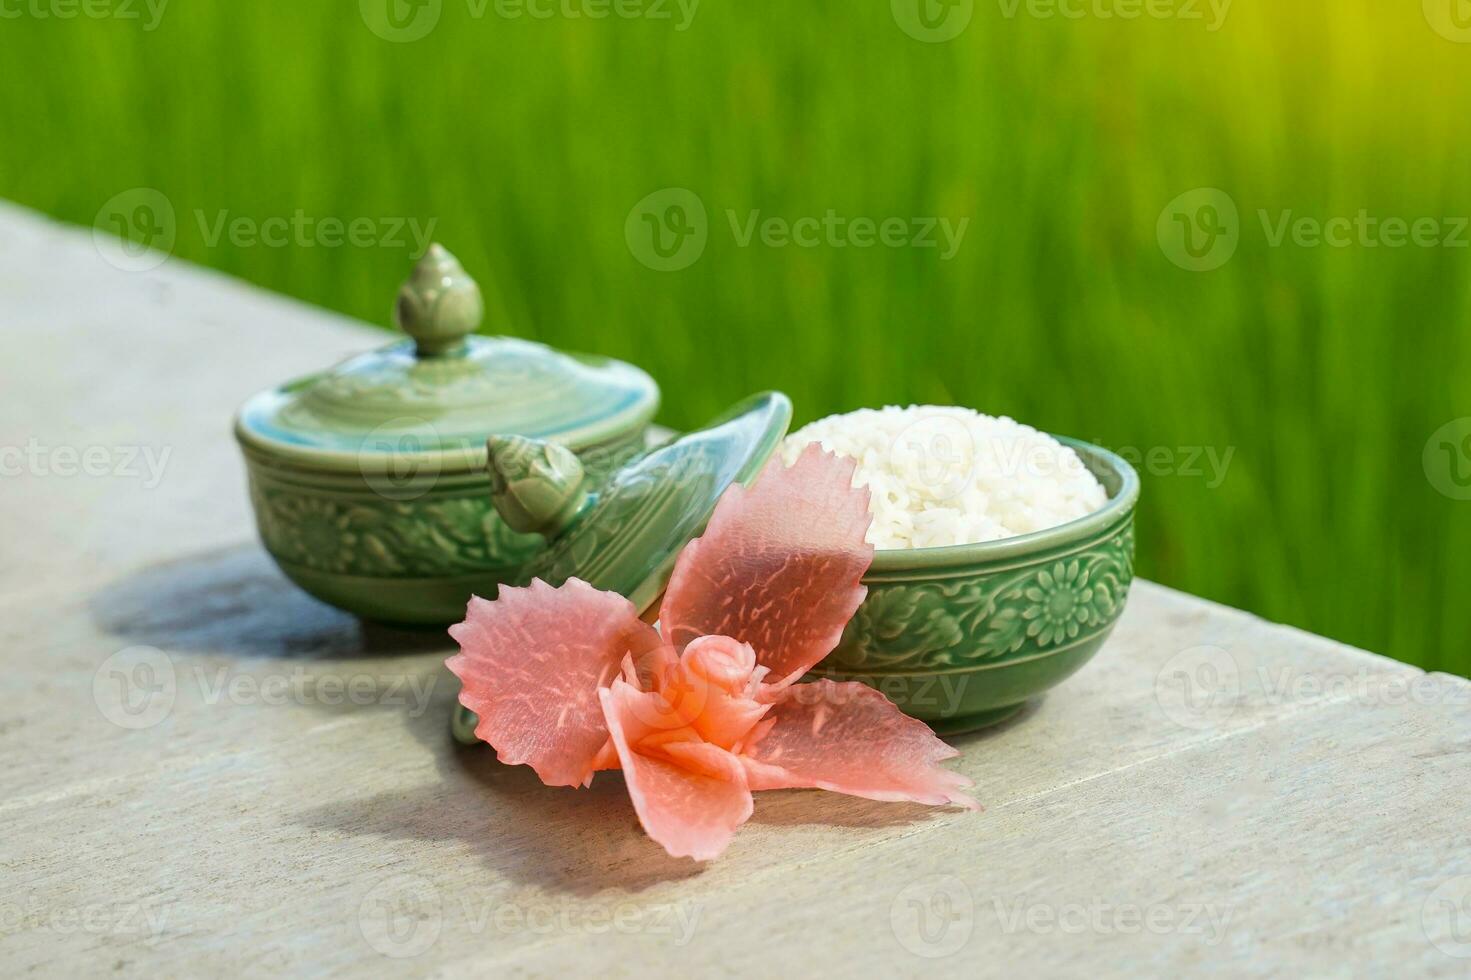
(531, 663)
(849, 738)
(691, 802)
(778, 567)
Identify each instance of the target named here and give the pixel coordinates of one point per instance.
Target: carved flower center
(720, 662)
(1062, 603)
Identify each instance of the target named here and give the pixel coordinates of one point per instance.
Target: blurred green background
(1323, 370)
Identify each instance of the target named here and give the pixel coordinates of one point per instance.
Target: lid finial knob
(536, 486)
(439, 305)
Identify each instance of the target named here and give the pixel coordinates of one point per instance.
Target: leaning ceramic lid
(624, 535)
(435, 397)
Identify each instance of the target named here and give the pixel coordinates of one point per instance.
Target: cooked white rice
(942, 476)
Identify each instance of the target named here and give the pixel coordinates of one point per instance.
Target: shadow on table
(579, 842)
(986, 734)
(235, 601)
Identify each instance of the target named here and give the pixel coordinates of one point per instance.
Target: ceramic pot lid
(436, 397)
(625, 535)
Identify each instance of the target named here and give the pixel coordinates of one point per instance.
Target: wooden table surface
(207, 772)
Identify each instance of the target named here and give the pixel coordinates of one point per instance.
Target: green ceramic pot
(369, 480)
(962, 637)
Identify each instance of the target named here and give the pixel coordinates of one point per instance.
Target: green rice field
(1228, 239)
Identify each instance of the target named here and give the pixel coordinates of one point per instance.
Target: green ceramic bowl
(959, 637)
(962, 637)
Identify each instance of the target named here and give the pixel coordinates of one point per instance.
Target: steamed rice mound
(944, 476)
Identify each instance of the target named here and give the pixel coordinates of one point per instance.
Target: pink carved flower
(570, 681)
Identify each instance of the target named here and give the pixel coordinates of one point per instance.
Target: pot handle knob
(537, 487)
(439, 305)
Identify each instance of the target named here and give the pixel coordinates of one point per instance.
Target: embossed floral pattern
(937, 624)
(321, 535)
(442, 533)
(901, 624)
(1061, 603)
(373, 537)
